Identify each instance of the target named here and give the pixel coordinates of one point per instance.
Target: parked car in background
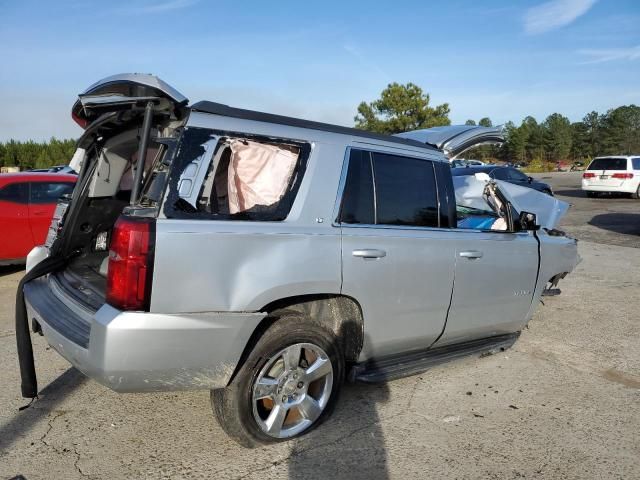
(615, 174)
(56, 169)
(27, 203)
(508, 174)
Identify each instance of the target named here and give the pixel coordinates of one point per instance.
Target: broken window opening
(239, 177)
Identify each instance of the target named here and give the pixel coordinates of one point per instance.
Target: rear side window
(500, 174)
(516, 175)
(636, 163)
(49, 192)
(385, 189)
(15, 193)
(608, 164)
(227, 176)
(406, 191)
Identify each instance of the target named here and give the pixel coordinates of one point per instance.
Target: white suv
(612, 174)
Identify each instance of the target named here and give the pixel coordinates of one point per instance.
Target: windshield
(608, 164)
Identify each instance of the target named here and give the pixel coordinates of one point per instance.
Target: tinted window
(14, 192)
(608, 164)
(636, 163)
(405, 191)
(357, 200)
(516, 175)
(49, 192)
(500, 174)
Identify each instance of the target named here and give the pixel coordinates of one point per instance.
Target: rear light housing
(623, 176)
(80, 121)
(131, 263)
(588, 175)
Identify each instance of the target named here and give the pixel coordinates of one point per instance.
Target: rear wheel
(288, 384)
(636, 195)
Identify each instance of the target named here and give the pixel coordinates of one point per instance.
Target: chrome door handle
(369, 253)
(471, 254)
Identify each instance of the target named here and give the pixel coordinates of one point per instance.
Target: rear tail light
(622, 175)
(588, 175)
(80, 121)
(131, 263)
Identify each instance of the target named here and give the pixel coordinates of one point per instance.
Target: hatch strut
(142, 152)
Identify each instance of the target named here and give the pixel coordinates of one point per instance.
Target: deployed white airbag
(259, 174)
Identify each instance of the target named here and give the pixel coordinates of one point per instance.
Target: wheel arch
(340, 314)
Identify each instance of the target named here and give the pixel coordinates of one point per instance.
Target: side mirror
(528, 221)
(530, 179)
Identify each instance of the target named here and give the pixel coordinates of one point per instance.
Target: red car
(27, 203)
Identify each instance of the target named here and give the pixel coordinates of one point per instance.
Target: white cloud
(157, 7)
(554, 14)
(611, 54)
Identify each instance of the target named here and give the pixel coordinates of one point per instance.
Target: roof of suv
(227, 111)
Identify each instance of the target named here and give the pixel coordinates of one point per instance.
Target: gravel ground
(564, 402)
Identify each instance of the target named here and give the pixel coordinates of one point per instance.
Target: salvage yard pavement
(564, 402)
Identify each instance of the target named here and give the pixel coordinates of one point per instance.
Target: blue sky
(318, 60)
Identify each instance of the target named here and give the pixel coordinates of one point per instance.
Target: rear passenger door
(396, 261)
(42, 203)
(15, 232)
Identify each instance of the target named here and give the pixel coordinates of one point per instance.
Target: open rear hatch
(453, 140)
(126, 92)
(131, 122)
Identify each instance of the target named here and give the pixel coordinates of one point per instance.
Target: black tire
(592, 194)
(233, 405)
(637, 194)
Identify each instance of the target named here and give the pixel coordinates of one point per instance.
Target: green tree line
(615, 132)
(30, 154)
(407, 107)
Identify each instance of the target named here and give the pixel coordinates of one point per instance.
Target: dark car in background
(507, 174)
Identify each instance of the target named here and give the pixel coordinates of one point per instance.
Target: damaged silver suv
(268, 258)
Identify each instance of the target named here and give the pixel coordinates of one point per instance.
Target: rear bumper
(626, 187)
(139, 351)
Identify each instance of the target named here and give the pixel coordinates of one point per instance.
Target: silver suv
(268, 258)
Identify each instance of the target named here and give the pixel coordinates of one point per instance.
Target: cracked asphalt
(564, 402)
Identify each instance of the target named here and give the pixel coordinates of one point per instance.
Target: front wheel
(288, 384)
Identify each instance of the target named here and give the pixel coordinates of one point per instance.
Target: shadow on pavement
(49, 397)
(350, 444)
(9, 269)
(575, 193)
(625, 223)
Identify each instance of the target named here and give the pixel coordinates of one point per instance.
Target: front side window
(384, 189)
(15, 193)
(49, 192)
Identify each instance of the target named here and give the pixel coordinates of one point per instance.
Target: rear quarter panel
(234, 265)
